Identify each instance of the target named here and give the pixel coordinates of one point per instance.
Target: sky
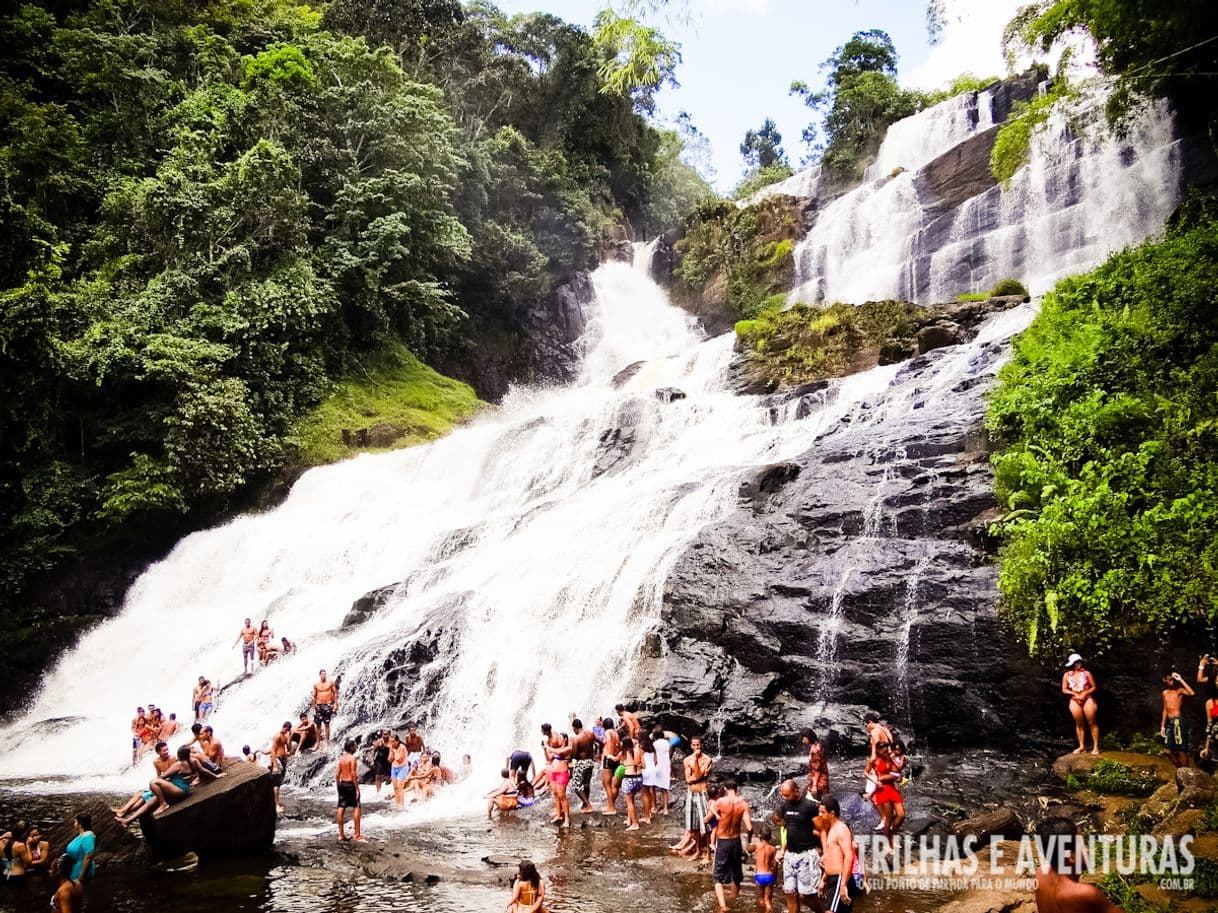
(740, 56)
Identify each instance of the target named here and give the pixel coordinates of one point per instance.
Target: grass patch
(391, 388)
(804, 344)
(1009, 287)
(1115, 779)
(973, 296)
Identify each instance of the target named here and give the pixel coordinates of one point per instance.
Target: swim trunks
(801, 872)
(695, 812)
(581, 772)
(205, 707)
(729, 861)
(609, 763)
(764, 879)
(520, 761)
(560, 777)
(247, 650)
(348, 794)
(1177, 734)
(400, 773)
(631, 784)
(323, 713)
(834, 902)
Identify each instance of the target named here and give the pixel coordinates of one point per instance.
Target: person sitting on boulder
(161, 763)
(304, 735)
(171, 787)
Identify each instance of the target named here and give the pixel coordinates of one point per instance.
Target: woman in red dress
(887, 798)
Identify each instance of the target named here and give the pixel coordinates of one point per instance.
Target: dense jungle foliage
(1110, 470)
(210, 212)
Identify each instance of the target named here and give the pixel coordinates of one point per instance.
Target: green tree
(762, 148)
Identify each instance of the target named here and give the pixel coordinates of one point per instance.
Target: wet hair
(809, 735)
(730, 785)
(209, 730)
(159, 745)
(63, 867)
(184, 753)
(396, 737)
(577, 724)
(627, 743)
(831, 805)
(620, 708)
(349, 746)
(546, 728)
(646, 741)
(524, 787)
(196, 728)
(657, 734)
(20, 832)
(287, 724)
(85, 820)
(173, 716)
(696, 738)
(607, 720)
(871, 717)
(765, 832)
(435, 759)
(245, 749)
(528, 872)
(1060, 836)
(505, 773)
(715, 790)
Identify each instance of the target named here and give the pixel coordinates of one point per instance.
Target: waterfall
(523, 558)
(917, 140)
(1084, 194)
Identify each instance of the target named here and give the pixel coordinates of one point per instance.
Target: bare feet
(645, 820)
(360, 838)
(1095, 751)
(632, 827)
(1078, 750)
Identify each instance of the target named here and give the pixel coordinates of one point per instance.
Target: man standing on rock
(697, 773)
(1174, 728)
(876, 731)
(630, 721)
(347, 780)
(414, 746)
(800, 855)
(325, 704)
(1058, 889)
(249, 650)
(733, 814)
(583, 762)
(838, 858)
(278, 753)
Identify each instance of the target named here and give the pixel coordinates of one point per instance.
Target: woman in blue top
(81, 849)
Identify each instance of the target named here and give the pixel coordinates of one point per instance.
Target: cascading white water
(1079, 198)
(527, 547)
(917, 140)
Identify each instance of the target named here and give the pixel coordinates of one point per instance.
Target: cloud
(972, 43)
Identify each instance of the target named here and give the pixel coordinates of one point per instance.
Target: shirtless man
(325, 703)
(414, 746)
(697, 773)
(213, 750)
(169, 728)
(733, 813)
(583, 762)
(1173, 727)
(249, 651)
(278, 753)
(611, 757)
(346, 779)
(162, 762)
(630, 721)
(1058, 889)
(304, 735)
(838, 858)
(876, 731)
(399, 768)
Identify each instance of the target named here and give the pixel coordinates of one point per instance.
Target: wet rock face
(851, 579)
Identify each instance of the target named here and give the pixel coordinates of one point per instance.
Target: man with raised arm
(697, 773)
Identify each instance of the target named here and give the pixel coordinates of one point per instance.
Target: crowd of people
(26, 854)
(1080, 686)
(258, 646)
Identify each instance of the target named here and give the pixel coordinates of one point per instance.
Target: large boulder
(115, 844)
(234, 815)
(1197, 788)
(1081, 764)
(1002, 822)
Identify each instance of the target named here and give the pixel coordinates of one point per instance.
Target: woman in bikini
(264, 638)
(1079, 685)
(632, 782)
(171, 787)
(559, 751)
(887, 798)
(528, 891)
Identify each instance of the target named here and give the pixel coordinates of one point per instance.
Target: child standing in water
(764, 853)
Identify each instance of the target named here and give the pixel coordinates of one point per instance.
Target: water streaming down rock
(518, 564)
(942, 225)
